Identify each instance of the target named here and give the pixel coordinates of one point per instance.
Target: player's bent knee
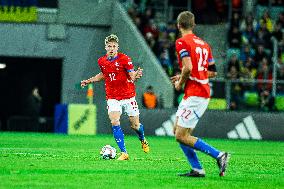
(135, 125)
(115, 122)
(179, 137)
(181, 140)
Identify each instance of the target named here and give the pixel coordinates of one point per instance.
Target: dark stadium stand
(22, 123)
(47, 4)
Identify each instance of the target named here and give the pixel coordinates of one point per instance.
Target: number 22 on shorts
(185, 113)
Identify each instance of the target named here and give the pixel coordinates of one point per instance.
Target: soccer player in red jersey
(119, 75)
(197, 65)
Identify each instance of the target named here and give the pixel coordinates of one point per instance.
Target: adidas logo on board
(245, 130)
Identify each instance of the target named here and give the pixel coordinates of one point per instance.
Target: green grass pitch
(31, 160)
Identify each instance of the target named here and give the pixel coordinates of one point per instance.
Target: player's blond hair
(111, 38)
(186, 20)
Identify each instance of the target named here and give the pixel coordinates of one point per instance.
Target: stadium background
(48, 47)
(54, 45)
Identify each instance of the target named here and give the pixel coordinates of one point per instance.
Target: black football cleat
(192, 173)
(222, 163)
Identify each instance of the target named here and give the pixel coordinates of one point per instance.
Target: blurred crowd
(161, 36)
(250, 56)
(249, 39)
(161, 39)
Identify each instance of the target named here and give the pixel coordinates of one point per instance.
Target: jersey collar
(112, 58)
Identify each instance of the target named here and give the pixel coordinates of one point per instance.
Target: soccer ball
(108, 152)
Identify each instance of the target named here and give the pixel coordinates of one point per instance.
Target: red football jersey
(200, 53)
(118, 84)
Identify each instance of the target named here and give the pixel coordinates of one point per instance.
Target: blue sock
(191, 156)
(140, 132)
(206, 148)
(119, 137)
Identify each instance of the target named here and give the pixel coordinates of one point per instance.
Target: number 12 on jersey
(112, 76)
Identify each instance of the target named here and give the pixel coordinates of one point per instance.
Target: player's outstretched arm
(94, 79)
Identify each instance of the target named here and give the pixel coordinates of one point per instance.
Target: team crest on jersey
(129, 63)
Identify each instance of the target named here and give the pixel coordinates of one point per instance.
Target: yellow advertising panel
(82, 119)
(18, 14)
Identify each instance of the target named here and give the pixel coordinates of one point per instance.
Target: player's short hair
(186, 20)
(111, 38)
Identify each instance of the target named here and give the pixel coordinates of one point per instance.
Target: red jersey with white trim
(118, 84)
(200, 53)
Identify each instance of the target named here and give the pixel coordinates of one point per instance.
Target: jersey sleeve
(210, 57)
(181, 49)
(127, 63)
(99, 63)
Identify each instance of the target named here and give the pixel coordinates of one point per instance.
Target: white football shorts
(129, 106)
(190, 111)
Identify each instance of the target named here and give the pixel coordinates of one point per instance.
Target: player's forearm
(185, 73)
(186, 70)
(97, 78)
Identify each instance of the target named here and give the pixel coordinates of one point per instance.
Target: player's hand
(178, 85)
(211, 74)
(175, 78)
(139, 73)
(85, 83)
